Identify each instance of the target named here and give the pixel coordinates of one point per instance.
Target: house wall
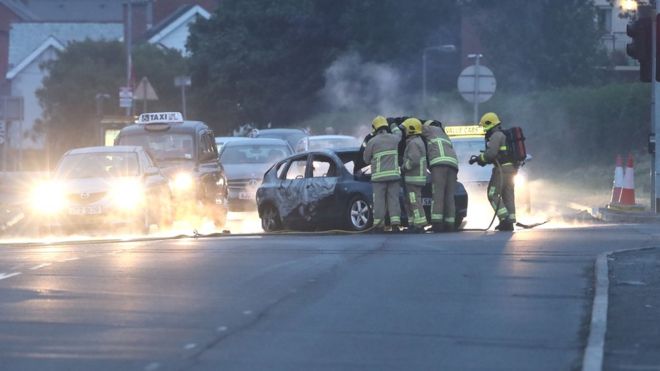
(26, 84)
(6, 18)
(163, 8)
(177, 38)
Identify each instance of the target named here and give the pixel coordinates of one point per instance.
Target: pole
(129, 48)
(424, 81)
(183, 100)
(475, 116)
(655, 116)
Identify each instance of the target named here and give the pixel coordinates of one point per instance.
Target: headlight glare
(520, 181)
(48, 198)
(127, 194)
(182, 182)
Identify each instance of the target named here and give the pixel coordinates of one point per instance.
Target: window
(162, 146)
(207, 147)
(280, 170)
(323, 167)
(297, 169)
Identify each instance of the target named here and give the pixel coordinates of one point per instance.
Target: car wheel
(270, 219)
(358, 214)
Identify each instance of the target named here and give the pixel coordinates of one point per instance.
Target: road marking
(7, 275)
(39, 266)
(247, 312)
(69, 259)
(222, 328)
(153, 366)
(190, 346)
(593, 353)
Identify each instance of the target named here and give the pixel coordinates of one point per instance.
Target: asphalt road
(459, 301)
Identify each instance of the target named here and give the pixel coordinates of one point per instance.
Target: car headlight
(48, 198)
(182, 182)
(520, 180)
(127, 194)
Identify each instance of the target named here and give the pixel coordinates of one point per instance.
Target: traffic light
(640, 48)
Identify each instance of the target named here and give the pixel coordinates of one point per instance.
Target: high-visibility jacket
(496, 148)
(414, 161)
(440, 150)
(382, 153)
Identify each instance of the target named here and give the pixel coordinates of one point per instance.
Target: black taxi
(186, 153)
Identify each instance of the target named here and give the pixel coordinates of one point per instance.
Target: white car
(103, 187)
(468, 141)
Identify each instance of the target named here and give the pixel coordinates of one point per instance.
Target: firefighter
(382, 153)
(414, 168)
(501, 186)
(444, 170)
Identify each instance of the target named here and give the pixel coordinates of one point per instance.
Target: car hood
(245, 171)
(92, 185)
(169, 169)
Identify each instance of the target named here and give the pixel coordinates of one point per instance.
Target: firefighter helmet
(489, 121)
(412, 126)
(378, 123)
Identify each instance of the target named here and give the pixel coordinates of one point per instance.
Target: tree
(538, 44)
(84, 69)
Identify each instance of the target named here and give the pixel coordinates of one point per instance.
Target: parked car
(187, 154)
(327, 189)
(221, 141)
(245, 161)
(291, 136)
(103, 187)
(318, 142)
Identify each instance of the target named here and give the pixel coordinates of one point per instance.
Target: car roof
(321, 137)
(257, 141)
(227, 139)
(105, 149)
(184, 127)
(280, 130)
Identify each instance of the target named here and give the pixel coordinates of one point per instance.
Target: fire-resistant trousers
(416, 215)
(443, 208)
(502, 183)
(386, 201)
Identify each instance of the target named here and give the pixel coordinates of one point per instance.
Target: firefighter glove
(473, 159)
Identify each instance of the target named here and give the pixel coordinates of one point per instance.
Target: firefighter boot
(449, 227)
(505, 226)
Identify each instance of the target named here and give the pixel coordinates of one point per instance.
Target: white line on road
(153, 366)
(39, 266)
(69, 259)
(7, 275)
(222, 328)
(247, 312)
(190, 346)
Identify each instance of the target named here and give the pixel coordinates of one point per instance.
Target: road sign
(182, 81)
(145, 91)
(476, 82)
(125, 97)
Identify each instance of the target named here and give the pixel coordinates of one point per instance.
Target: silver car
(102, 187)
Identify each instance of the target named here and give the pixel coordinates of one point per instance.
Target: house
(172, 32)
(612, 25)
(31, 44)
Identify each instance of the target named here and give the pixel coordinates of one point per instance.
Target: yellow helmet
(379, 122)
(489, 121)
(413, 126)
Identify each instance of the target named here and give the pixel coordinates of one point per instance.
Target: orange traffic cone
(627, 197)
(618, 180)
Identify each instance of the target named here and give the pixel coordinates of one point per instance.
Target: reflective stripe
(377, 174)
(450, 160)
(384, 174)
(414, 179)
(411, 197)
(395, 219)
(502, 148)
(436, 217)
(502, 212)
(443, 157)
(450, 220)
(491, 191)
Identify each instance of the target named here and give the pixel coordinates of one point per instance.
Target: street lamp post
(183, 82)
(448, 48)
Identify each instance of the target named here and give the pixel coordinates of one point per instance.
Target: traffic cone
(627, 197)
(618, 180)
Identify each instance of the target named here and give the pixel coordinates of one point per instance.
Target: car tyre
(270, 219)
(358, 214)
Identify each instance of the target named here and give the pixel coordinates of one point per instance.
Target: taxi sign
(465, 130)
(160, 118)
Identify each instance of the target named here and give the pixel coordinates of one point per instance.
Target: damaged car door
(320, 197)
(290, 192)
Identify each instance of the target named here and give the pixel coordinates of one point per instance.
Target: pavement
(632, 341)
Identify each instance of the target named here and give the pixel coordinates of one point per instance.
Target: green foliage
(87, 68)
(539, 44)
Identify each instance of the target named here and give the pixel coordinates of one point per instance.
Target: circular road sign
(484, 85)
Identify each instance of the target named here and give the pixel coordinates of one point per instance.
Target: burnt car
(245, 161)
(322, 190)
(186, 153)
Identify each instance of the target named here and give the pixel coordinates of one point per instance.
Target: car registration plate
(427, 201)
(244, 196)
(85, 210)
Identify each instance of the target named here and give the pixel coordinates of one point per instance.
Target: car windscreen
(98, 165)
(317, 144)
(464, 149)
(162, 146)
(253, 154)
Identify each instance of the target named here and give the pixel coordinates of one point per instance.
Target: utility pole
(448, 48)
(129, 49)
(655, 117)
